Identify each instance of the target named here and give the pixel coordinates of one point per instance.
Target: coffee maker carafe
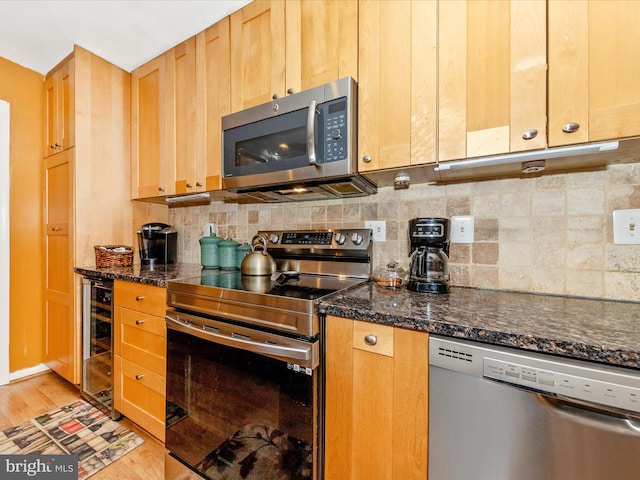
(429, 255)
(157, 243)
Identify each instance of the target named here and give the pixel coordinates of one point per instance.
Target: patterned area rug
(76, 428)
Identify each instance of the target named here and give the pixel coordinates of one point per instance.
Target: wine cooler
(97, 344)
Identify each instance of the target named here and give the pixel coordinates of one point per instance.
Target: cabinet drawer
(373, 337)
(140, 396)
(137, 342)
(140, 297)
(142, 322)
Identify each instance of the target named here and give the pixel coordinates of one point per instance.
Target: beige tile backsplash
(550, 234)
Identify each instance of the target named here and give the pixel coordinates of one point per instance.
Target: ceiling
(37, 34)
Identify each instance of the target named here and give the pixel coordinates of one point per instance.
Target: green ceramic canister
(241, 252)
(227, 253)
(209, 251)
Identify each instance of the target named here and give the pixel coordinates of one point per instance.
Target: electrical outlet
(462, 229)
(626, 226)
(379, 228)
(208, 229)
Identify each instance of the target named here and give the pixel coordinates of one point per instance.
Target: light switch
(626, 226)
(462, 229)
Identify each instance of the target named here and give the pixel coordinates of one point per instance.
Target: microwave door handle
(311, 133)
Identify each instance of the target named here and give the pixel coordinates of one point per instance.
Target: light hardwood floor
(27, 398)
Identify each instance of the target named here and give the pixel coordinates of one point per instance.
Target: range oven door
(241, 403)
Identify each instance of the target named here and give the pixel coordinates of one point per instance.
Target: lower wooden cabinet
(140, 355)
(376, 401)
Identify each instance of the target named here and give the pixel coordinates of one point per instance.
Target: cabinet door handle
(189, 185)
(366, 159)
(570, 127)
(140, 376)
(291, 91)
(139, 322)
(198, 184)
(139, 298)
(370, 339)
(529, 134)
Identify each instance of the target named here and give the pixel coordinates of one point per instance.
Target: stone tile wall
(549, 234)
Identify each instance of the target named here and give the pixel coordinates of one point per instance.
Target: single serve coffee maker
(157, 243)
(429, 255)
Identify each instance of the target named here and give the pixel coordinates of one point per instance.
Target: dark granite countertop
(603, 331)
(158, 275)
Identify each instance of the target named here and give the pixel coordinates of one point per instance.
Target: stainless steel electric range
(244, 366)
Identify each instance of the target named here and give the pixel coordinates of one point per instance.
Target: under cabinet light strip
(528, 156)
(185, 198)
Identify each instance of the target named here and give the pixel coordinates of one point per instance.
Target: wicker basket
(106, 257)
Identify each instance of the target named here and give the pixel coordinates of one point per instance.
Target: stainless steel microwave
(301, 147)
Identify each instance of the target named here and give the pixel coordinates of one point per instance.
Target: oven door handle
(280, 351)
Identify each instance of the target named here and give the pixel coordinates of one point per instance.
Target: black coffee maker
(429, 255)
(158, 243)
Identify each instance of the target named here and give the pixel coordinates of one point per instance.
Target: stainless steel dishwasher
(499, 413)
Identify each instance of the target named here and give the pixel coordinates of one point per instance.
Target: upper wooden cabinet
(321, 42)
(213, 64)
(397, 83)
(182, 125)
(594, 71)
(491, 77)
(279, 48)
(59, 108)
(148, 130)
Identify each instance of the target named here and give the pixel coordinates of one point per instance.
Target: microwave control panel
(335, 131)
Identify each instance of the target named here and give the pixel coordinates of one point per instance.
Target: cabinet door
(59, 115)
(397, 83)
(149, 130)
(60, 332)
(213, 64)
(321, 42)
(376, 402)
(593, 71)
(492, 77)
(257, 53)
(182, 119)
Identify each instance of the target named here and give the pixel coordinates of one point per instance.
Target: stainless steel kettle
(258, 262)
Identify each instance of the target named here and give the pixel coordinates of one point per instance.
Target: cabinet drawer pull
(198, 184)
(570, 127)
(55, 229)
(140, 376)
(530, 134)
(139, 298)
(370, 339)
(139, 322)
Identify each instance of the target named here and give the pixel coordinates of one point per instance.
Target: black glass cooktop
(291, 285)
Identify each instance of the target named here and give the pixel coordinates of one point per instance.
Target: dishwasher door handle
(591, 414)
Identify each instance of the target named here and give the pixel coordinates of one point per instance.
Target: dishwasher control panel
(572, 386)
(564, 377)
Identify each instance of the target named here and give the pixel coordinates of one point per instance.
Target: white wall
(4, 242)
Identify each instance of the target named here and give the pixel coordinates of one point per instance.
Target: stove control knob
(340, 238)
(356, 238)
(274, 238)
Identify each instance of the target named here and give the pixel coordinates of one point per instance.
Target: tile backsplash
(548, 234)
